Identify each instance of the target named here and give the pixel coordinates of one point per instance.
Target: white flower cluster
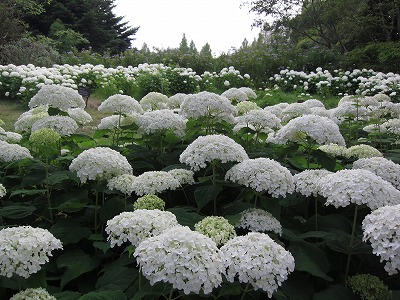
(261, 120)
(187, 259)
(100, 163)
(153, 182)
(383, 167)
(64, 125)
(245, 107)
(216, 228)
(348, 110)
(120, 104)
(262, 174)
(235, 95)
(257, 259)
(321, 129)
(212, 147)
(149, 202)
(333, 149)
(25, 120)
(138, 225)
(3, 191)
(306, 182)
(381, 228)
(249, 92)
(259, 220)
(160, 120)
(122, 183)
(294, 110)
(24, 249)
(391, 126)
(57, 96)
(359, 187)
(313, 103)
(182, 175)
(116, 121)
(154, 101)
(12, 152)
(79, 115)
(175, 101)
(362, 151)
(33, 294)
(207, 104)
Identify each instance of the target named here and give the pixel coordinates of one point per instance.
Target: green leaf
(24, 192)
(104, 295)
(103, 246)
(310, 259)
(76, 263)
(149, 290)
(335, 292)
(342, 244)
(100, 133)
(299, 162)
(69, 231)
(59, 177)
(206, 194)
(111, 208)
(230, 289)
(16, 211)
(324, 159)
(67, 295)
(186, 217)
(116, 279)
(73, 205)
(233, 219)
(298, 286)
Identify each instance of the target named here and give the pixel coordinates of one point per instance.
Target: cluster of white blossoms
(149, 202)
(249, 92)
(153, 182)
(383, 167)
(391, 126)
(294, 110)
(259, 220)
(182, 175)
(257, 259)
(24, 249)
(175, 101)
(33, 294)
(261, 120)
(306, 182)
(25, 120)
(120, 104)
(381, 228)
(44, 137)
(216, 228)
(187, 259)
(13, 152)
(207, 104)
(161, 120)
(57, 96)
(362, 151)
(333, 149)
(313, 103)
(357, 186)
(116, 121)
(64, 125)
(100, 163)
(212, 147)
(122, 183)
(138, 225)
(245, 107)
(9, 136)
(80, 115)
(262, 174)
(348, 110)
(321, 129)
(3, 191)
(154, 101)
(235, 95)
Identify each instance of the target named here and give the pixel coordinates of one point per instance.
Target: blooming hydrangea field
(199, 194)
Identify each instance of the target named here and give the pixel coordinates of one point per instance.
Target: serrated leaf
(206, 194)
(186, 217)
(67, 295)
(116, 279)
(230, 289)
(16, 211)
(335, 292)
(104, 295)
(24, 192)
(69, 231)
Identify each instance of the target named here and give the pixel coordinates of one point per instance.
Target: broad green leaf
(230, 289)
(148, 292)
(298, 286)
(73, 205)
(67, 295)
(342, 244)
(186, 217)
(103, 246)
(76, 263)
(116, 279)
(299, 162)
(206, 194)
(59, 177)
(335, 292)
(111, 208)
(100, 133)
(24, 192)
(233, 219)
(69, 231)
(324, 159)
(16, 211)
(104, 295)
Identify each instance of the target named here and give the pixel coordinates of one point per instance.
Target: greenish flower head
(3, 191)
(149, 202)
(2, 123)
(216, 228)
(369, 287)
(44, 137)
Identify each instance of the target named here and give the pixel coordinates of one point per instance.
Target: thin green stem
(246, 289)
(346, 274)
(48, 191)
(316, 213)
(95, 211)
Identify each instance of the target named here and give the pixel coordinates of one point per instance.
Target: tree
(183, 45)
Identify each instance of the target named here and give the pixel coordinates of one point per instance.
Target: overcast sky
(221, 23)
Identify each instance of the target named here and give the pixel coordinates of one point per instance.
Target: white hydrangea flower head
(138, 225)
(13, 152)
(259, 220)
(116, 121)
(321, 129)
(24, 249)
(362, 151)
(64, 125)
(80, 115)
(149, 202)
(391, 126)
(235, 95)
(154, 182)
(383, 167)
(206, 149)
(333, 149)
(100, 163)
(294, 110)
(207, 104)
(381, 228)
(187, 259)
(261, 120)
(33, 294)
(246, 106)
(306, 182)
(12, 137)
(349, 110)
(182, 175)
(160, 120)
(3, 191)
(57, 96)
(257, 259)
(313, 103)
(357, 186)
(25, 120)
(382, 97)
(262, 174)
(216, 228)
(122, 183)
(276, 110)
(120, 104)
(154, 101)
(249, 92)
(323, 112)
(175, 101)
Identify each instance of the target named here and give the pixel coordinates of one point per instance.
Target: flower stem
(48, 191)
(246, 289)
(346, 274)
